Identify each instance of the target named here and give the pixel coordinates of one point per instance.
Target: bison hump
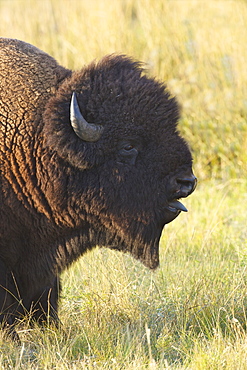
(28, 76)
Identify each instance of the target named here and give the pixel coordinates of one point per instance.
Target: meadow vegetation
(191, 312)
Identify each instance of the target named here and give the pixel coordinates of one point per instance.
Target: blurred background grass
(197, 47)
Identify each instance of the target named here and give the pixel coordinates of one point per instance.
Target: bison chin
(149, 256)
(143, 246)
(142, 239)
(146, 249)
(138, 238)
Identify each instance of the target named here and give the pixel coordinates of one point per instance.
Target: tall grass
(191, 312)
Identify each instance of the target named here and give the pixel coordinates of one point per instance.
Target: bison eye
(127, 154)
(128, 147)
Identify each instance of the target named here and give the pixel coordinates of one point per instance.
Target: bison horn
(86, 131)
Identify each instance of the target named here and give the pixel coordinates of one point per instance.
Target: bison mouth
(175, 206)
(169, 212)
(179, 187)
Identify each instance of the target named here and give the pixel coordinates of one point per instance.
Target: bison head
(114, 132)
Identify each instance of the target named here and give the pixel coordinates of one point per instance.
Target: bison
(87, 158)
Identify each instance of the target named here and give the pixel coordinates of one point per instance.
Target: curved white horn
(86, 131)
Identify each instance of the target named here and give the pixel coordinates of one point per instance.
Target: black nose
(185, 185)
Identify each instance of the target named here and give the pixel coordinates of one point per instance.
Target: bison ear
(86, 131)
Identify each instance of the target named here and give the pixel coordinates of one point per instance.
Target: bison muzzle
(87, 158)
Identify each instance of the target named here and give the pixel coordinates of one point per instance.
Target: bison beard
(87, 158)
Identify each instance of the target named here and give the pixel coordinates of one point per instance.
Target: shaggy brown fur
(60, 195)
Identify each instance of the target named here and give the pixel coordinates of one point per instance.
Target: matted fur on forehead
(117, 88)
(116, 94)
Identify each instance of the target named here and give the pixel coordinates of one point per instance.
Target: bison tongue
(175, 206)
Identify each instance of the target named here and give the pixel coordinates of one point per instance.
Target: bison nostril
(186, 185)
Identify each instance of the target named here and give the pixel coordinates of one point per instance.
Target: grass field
(191, 312)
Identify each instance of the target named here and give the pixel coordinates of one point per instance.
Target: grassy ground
(191, 312)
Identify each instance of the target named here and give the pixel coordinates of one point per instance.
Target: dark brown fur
(61, 196)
